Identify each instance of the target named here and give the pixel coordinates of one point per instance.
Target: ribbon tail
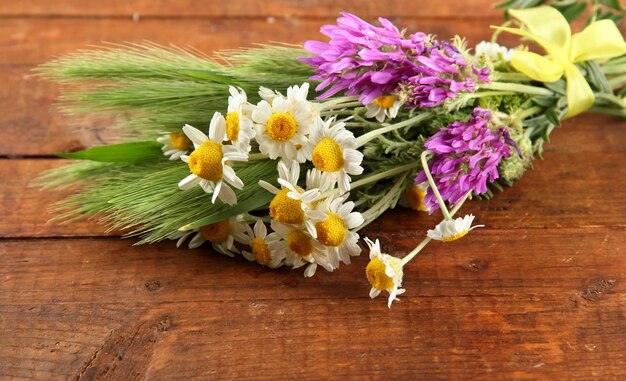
(600, 40)
(579, 94)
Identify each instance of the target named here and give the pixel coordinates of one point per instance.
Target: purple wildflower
(467, 155)
(369, 61)
(443, 74)
(365, 60)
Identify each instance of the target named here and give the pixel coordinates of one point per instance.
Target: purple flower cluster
(467, 155)
(441, 75)
(365, 60)
(369, 61)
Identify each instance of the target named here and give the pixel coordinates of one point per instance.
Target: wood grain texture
(246, 8)
(539, 294)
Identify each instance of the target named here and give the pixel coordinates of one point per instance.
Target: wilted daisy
(282, 127)
(286, 206)
(331, 223)
(414, 197)
(332, 149)
(301, 249)
(385, 106)
(222, 235)
(383, 272)
(175, 145)
(239, 128)
(450, 230)
(266, 249)
(209, 162)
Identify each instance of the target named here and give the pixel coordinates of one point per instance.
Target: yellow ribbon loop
(547, 27)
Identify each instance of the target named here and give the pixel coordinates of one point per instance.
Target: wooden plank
(246, 8)
(566, 190)
(530, 304)
(32, 41)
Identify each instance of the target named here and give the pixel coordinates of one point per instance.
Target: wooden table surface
(540, 293)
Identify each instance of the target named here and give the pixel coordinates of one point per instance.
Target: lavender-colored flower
(466, 158)
(443, 73)
(369, 61)
(365, 60)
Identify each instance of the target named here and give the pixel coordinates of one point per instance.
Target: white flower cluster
(312, 225)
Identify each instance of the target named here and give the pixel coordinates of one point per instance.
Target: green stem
(425, 241)
(257, 156)
(506, 77)
(384, 175)
(617, 101)
(329, 104)
(517, 87)
(431, 182)
(528, 112)
(383, 204)
(361, 140)
(618, 81)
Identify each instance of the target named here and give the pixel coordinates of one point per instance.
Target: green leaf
(553, 117)
(614, 4)
(118, 153)
(256, 201)
(574, 11)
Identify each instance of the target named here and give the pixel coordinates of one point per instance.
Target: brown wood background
(540, 293)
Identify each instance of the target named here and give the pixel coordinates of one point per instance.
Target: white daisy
(266, 248)
(450, 230)
(282, 127)
(332, 149)
(332, 222)
(493, 51)
(383, 272)
(209, 162)
(222, 235)
(286, 206)
(385, 106)
(175, 145)
(239, 128)
(268, 95)
(301, 249)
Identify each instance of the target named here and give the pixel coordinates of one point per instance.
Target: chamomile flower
(493, 51)
(301, 249)
(332, 149)
(331, 223)
(222, 235)
(384, 273)
(239, 128)
(209, 162)
(282, 127)
(175, 145)
(414, 197)
(268, 95)
(266, 248)
(286, 206)
(450, 230)
(385, 106)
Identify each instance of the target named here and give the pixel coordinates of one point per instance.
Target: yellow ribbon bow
(548, 28)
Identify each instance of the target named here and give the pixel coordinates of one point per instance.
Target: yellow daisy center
(217, 232)
(180, 141)
(414, 197)
(281, 126)
(454, 237)
(261, 251)
(299, 243)
(375, 272)
(385, 101)
(232, 126)
(328, 155)
(332, 231)
(206, 161)
(285, 209)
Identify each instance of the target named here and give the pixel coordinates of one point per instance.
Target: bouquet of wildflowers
(283, 153)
